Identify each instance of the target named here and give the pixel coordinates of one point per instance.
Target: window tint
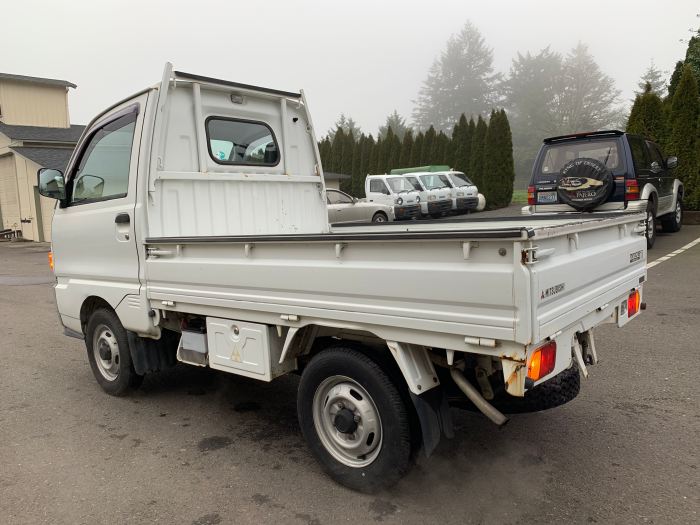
(640, 154)
(434, 181)
(378, 186)
(337, 197)
(103, 171)
(414, 182)
(558, 155)
(241, 142)
(461, 179)
(655, 156)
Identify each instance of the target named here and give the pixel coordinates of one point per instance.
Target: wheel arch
(90, 305)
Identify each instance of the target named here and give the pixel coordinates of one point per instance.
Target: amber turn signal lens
(542, 361)
(531, 195)
(51, 260)
(633, 302)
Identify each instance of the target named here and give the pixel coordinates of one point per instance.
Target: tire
(380, 216)
(340, 383)
(109, 354)
(650, 232)
(559, 390)
(584, 184)
(672, 222)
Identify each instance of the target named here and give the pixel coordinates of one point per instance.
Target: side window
(640, 155)
(336, 197)
(103, 170)
(378, 186)
(241, 142)
(657, 160)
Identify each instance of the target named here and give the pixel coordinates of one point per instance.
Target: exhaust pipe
(475, 397)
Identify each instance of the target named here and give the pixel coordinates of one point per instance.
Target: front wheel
(380, 217)
(109, 354)
(354, 420)
(672, 222)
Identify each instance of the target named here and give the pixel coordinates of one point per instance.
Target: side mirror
(355, 200)
(51, 183)
(655, 167)
(671, 162)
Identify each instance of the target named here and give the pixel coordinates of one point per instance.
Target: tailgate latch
(534, 254)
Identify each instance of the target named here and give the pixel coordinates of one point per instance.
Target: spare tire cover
(584, 184)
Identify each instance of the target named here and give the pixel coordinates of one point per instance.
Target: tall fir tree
(337, 146)
(647, 116)
(406, 146)
(654, 78)
(456, 153)
(476, 161)
(417, 150)
(468, 138)
(692, 55)
(428, 149)
(347, 161)
(673, 82)
(397, 124)
(442, 149)
(394, 151)
(498, 162)
(373, 161)
(324, 149)
(683, 140)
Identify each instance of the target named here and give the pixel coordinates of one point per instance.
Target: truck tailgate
(577, 273)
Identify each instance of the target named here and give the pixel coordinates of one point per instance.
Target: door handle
(122, 218)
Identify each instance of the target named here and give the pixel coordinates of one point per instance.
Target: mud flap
(434, 416)
(150, 355)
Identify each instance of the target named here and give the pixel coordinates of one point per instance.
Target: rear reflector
(531, 195)
(633, 302)
(542, 361)
(631, 190)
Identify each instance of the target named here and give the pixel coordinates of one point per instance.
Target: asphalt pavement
(204, 448)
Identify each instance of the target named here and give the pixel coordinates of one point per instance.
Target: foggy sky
(364, 58)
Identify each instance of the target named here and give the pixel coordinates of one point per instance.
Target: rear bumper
(409, 211)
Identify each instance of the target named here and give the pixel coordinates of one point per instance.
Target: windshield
(556, 156)
(433, 182)
(414, 182)
(399, 184)
(461, 179)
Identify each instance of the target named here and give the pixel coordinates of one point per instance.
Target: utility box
(248, 349)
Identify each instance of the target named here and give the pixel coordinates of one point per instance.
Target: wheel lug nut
(357, 419)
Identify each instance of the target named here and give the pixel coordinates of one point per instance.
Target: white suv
(394, 190)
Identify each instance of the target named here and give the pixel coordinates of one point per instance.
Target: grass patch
(519, 197)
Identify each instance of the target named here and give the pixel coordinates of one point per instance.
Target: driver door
(94, 242)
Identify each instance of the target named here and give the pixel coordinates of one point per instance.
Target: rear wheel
(354, 420)
(380, 216)
(650, 232)
(672, 222)
(109, 354)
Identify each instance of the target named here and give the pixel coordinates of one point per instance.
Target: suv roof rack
(604, 133)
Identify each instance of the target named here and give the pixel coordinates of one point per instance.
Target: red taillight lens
(631, 190)
(51, 260)
(633, 302)
(542, 361)
(531, 195)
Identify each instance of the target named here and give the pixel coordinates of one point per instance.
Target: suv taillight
(531, 195)
(631, 190)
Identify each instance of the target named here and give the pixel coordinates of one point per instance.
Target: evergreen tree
(442, 149)
(455, 154)
(397, 123)
(468, 138)
(428, 149)
(324, 149)
(373, 162)
(346, 163)
(461, 80)
(406, 146)
(476, 161)
(692, 55)
(647, 116)
(359, 182)
(417, 150)
(673, 83)
(336, 156)
(393, 150)
(655, 79)
(356, 162)
(347, 124)
(683, 141)
(498, 162)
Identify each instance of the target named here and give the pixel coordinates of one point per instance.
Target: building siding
(9, 199)
(27, 104)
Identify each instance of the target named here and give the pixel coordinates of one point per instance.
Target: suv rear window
(557, 155)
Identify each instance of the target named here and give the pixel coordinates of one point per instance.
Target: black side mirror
(51, 183)
(671, 162)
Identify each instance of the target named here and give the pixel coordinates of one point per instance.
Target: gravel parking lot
(203, 448)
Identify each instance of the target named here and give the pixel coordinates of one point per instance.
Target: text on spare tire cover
(584, 184)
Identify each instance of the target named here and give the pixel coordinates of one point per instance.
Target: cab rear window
(556, 156)
(245, 142)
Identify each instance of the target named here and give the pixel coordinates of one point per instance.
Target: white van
(464, 191)
(436, 196)
(394, 190)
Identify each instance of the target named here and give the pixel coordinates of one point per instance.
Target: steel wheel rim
(105, 340)
(379, 218)
(354, 449)
(650, 225)
(679, 213)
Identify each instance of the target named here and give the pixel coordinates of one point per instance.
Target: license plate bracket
(546, 197)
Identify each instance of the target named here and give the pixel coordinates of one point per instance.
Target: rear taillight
(631, 190)
(531, 195)
(51, 260)
(633, 302)
(542, 361)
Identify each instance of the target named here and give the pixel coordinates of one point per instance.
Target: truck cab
(394, 190)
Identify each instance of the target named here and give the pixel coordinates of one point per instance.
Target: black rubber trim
(211, 80)
(511, 233)
(73, 333)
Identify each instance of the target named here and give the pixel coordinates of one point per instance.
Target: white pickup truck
(191, 225)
